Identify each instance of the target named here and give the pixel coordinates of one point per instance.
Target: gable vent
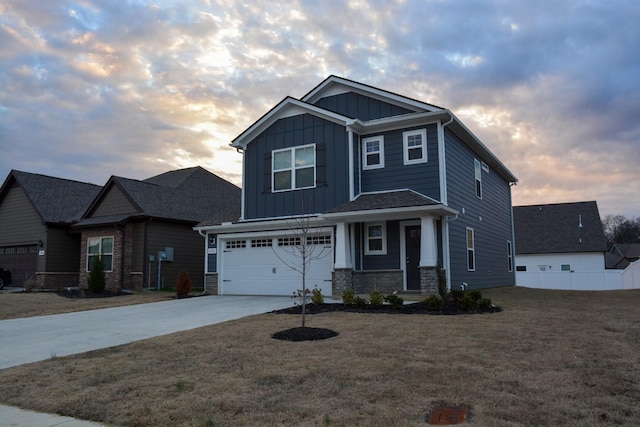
(580, 221)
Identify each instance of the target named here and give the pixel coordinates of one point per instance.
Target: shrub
(97, 279)
(395, 301)
(376, 298)
(442, 282)
(485, 303)
(316, 296)
(183, 284)
(348, 297)
(359, 302)
(434, 302)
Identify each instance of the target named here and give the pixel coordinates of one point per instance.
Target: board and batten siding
(489, 217)
(359, 106)
(421, 177)
(21, 223)
(113, 203)
(332, 183)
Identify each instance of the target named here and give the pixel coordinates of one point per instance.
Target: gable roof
(558, 228)
(188, 195)
(622, 254)
(422, 113)
(57, 200)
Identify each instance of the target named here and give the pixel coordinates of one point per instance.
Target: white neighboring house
(559, 243)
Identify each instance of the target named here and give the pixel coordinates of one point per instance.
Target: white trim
(380, 152)
(292, 167)
(442, 164)
(446, 258)
(510, 257)
(351, 164)
(473, 248)
(242, 187)
(391, 213)
(100, 253)
(477, 173)
(383, 238)
(423, 146)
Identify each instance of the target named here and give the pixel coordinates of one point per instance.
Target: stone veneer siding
(428, 281)
(56, 281)
(211, 283)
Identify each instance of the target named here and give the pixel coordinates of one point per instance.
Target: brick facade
(386, 281)
(211, 283)
(428, 281)
(114, 278)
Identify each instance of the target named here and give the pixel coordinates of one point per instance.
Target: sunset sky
(90, 89)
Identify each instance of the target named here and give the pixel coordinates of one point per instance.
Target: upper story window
(471, 250)
(294, 168)
(478, 171)
(373, 152)
(100, 247)
(376, 240)
(415, 146)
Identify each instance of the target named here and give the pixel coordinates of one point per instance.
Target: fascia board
(287, 108)
(335, 85)
(399, 122)
(268, 225)
(388, 214)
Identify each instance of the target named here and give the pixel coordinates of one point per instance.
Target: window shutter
(267, 173)
(321, 165)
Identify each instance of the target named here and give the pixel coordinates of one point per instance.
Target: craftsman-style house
(385, 187)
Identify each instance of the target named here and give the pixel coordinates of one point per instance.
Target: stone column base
(211, 283)
(428, 281)
(342, 280)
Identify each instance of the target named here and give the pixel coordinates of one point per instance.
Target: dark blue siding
(212, 259)
(490, 218)
(361, 107)
(422, 177)
(389, 261)
(332, 186)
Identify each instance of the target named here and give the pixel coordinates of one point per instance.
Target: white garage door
(253, 266)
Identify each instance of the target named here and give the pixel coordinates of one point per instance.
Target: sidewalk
(39, 338)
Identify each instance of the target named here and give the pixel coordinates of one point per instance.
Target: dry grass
(551, 358)
(16, 305)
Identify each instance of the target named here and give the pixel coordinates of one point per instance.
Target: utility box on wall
(166, 255)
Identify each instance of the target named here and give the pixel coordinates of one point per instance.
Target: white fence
(602, 280)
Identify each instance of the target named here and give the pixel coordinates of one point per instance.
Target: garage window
(319, 240)
(289, 241)
(261, 243)
(236, 244)
(100, 247)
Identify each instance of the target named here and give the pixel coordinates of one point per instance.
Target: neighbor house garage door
(258, 266)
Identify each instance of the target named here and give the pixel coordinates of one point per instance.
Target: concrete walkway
(34, 339)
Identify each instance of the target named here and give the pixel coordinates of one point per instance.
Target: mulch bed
(305, 334)
(408, 308)
(76, 293)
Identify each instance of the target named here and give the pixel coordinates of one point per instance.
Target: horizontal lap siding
(421, 177)
(360, 106)
(113, 203)
(261, 202)
(21, 223)
(490, 217)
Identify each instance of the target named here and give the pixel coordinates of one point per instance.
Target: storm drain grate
(448, 415)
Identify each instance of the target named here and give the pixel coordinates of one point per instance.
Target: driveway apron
(39, 338)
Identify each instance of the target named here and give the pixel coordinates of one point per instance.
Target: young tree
(97, 280)
(305, 246)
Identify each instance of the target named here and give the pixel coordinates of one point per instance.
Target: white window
(294, 168)
(478, 171)
(471, 250)
(100, 247)
(261, 243)
(415, 146)
(289, 241)
(375, 239)
(373, 152)
(236, 244)
(510, 255)
(319, 240)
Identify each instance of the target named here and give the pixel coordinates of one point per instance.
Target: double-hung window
(294, 168)
(415, 146)
(375, 239)
(477, 166)
(100, 247)
(373, 152)
(471, 250)
(509, 255)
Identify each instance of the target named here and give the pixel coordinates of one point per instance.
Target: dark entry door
(412, 270)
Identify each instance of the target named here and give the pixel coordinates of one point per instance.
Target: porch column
(428, 246)
(343, 250)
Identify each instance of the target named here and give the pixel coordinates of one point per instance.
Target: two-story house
(384, 186)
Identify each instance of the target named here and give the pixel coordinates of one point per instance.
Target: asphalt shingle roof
(57, 200)
(190, 195)
(558, 228)
(385, 200)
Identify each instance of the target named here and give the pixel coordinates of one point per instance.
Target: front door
(412, 267)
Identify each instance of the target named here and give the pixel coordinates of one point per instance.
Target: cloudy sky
(94, 88)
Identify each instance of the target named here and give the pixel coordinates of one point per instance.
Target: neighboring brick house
(36, 242)
(389, 187)
(132, 222)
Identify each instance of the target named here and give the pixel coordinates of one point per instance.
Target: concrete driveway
(39, 338)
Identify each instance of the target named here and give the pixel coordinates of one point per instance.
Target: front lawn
(549, 358)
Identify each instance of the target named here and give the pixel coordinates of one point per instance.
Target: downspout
(351, 181)
(241, 151)
(206, 260)
(446, 259)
